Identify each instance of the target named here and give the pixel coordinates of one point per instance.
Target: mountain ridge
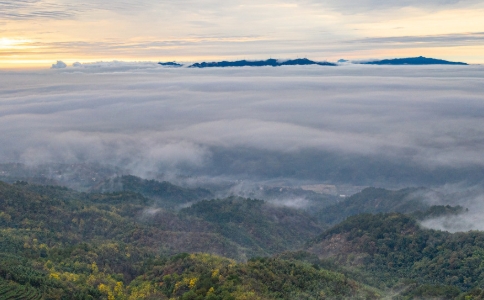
(260, 63)
(420, 60)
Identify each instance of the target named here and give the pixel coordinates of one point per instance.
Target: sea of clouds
(372, 125)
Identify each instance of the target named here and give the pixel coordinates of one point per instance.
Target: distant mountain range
(260, 63)
(304, 62)
(413, 61)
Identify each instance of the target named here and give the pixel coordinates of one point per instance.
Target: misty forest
(143, 181)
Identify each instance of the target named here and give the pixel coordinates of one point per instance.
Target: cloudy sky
(357, 124)
(36, 33)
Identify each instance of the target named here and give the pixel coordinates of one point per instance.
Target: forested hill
(65, 216)
(387, 248)
(60, 244)
(375, 200)
(165, 194)
(57, 243)
(255, 225)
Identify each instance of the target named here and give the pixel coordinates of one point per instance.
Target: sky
(355, 124)
(37, 33)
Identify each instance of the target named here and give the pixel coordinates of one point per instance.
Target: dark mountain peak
(170, 64)
(271, 62)
(304, 61)
(413, 61)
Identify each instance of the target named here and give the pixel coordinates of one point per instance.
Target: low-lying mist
(471, 198)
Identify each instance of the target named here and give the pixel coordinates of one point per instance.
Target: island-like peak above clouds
(170, 64)
(413, 61)
(260, 63)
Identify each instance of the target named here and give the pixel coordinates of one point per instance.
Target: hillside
(200, 276)
(61, 216)
(388, 248)
(375, 200)
(265, 229)
(61, 244)
(57, 243)
(164, 194)
(183, 276)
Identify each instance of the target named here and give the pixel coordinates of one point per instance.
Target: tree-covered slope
(164, 193)
(183, 276)
(56, 243)
(391, 247)
(256, 225)
(237, 228)
(375, 200)
(201, 276)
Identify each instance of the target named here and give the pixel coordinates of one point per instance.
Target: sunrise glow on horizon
(38, 33)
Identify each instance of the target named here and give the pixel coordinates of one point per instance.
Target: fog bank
(409, 125)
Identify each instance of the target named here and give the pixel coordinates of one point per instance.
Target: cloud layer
(359, 124)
